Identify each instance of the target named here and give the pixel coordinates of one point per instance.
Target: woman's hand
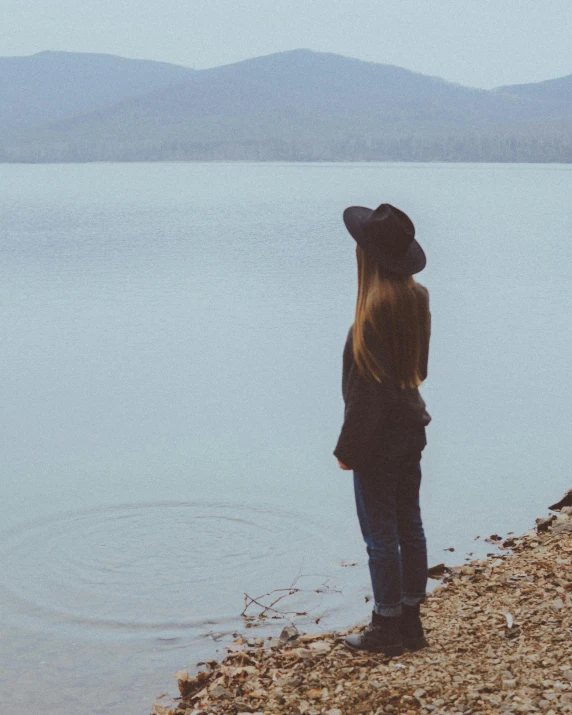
(342, 465)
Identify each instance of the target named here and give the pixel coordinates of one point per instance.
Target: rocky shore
(500, 641)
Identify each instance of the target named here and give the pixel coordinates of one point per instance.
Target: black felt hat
(388, 235)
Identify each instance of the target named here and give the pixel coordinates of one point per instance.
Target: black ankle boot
(412, 629)
(382, 635)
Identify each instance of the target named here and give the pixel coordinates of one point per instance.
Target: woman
(383, 434)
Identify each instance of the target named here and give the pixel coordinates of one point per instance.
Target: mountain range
(298, 105)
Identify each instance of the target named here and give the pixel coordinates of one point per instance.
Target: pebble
(508, 684)
(289, 633)
(219, 691)
(557, 604)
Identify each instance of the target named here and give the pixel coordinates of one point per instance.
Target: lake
(171, 340)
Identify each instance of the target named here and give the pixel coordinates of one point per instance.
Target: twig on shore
(289, 591)
(284, 593)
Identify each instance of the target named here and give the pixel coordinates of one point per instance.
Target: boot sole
(415, 643)
(390, 651)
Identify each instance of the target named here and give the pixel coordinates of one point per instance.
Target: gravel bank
(500, 641)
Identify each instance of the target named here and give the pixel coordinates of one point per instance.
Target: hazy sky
(483, 43)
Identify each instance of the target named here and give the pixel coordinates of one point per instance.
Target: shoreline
(500, 641)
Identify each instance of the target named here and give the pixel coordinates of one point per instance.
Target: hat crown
(393, 228)
(387, 234)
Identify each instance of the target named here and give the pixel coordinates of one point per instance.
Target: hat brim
(412, 261)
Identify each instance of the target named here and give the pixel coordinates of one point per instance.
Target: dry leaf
(161, 710)
(320, 646)
(314, 693)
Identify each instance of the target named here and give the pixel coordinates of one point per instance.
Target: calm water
(171, 340)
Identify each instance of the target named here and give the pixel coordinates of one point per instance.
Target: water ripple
(154, 568)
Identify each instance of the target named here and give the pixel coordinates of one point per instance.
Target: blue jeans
(387, 500)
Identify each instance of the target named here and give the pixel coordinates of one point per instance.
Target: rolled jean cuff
(413, 600)
(391, 610)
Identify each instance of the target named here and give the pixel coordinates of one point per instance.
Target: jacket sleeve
(366, 409)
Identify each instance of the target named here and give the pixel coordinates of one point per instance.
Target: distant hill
(303, 105)
(555, 91)
(50, 86)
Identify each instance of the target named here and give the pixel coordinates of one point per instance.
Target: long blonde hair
(396, 310)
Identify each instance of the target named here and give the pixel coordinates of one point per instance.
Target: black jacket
(380, 419)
